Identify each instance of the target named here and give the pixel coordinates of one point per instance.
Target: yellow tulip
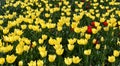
(74, 24)
(11, 58)
(44, 37)
(50, 25)
(94, 31)
(71, 41)
(32, 63)
(1, 22)
(111, 59)
(87, 52)
(59, 28)
(97, 15)
(87, 36)
(2, 61)
(116, 53)
(26, 47)
(40, 63)
(102, 39)
(40, 41)
(51, 41)
(47, 15)
(51, 58)
(82, 41)
(70, 47)
(97, 46)
(84, 29)
(106, 28)
(59, 51)
(1, 43)
(9, 47)
(34, 44)
(77, 30)
(97, 24)
(57, 46)
(43, 25)
(95, 0)
(42, 51)
(68, 61)
(5, 31)
(59, 39)
(76, 59)
(18, 32)
(20, 63)
(102, 19)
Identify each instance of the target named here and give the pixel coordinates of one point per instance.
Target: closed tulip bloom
(102, 39)
(23, 26)
(47, 15)
(87, 36)
(34, 44)
(20, 63)
(94, 31)
(102, 19)
(87, 52)
(70, 47)
(116, 53)
(59, 28)
(2, 61)
(51, 58)
(97, 46)
(26, 47)
(59, 51)
(106, 28)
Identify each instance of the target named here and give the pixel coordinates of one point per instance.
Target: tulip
(11, 58)
(68, 61)
(87, 52)
(51, 58)
(111, 59)
(89, 30)
(2, 61)
(105, 23)
(76, 59)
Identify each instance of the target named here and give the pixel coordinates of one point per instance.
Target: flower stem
(86, 62)
(113, 64)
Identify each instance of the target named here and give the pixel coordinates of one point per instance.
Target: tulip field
(59, 33)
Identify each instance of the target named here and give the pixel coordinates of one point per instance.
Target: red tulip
(92, 23)
(105, 23)
(30, 45)
(57, 5)
(96, 42)
(71, 29)
(83, 0)
(89, 30)
(87, 7)
(88, 3)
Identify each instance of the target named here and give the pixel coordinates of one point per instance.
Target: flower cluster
(59, 33)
